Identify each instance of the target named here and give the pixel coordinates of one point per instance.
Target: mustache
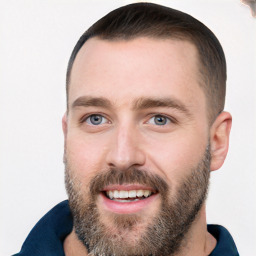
(130, 176)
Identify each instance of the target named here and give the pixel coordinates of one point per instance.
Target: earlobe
(64, 125)
(220, 131)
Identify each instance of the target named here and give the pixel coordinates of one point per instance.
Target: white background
(36, 40)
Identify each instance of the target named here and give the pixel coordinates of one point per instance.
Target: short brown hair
(156, 21)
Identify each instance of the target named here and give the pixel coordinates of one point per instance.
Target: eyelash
(152, 115)
(170, 118)
(86, 117)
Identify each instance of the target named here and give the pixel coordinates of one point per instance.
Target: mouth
(126, 196)
(125, 199)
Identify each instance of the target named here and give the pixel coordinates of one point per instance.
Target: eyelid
(102, 121)
(170, 118)
(85, 117)
(151, 115)
(153, 119)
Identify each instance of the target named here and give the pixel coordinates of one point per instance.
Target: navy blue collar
(225, 243)
(47, 237)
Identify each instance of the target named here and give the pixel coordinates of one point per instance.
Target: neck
(198, 242)
(73, 246)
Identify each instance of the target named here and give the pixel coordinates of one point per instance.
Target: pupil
(160, 120)
(95, 119)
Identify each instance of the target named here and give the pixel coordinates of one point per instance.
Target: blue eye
(95, 119)
(159, 120)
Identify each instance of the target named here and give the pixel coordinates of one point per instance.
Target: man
(143, 129)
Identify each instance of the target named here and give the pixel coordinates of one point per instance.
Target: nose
(126, 151)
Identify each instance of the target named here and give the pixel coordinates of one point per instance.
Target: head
(143, 129)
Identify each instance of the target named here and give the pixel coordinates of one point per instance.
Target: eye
(159, 120)
(96, 119)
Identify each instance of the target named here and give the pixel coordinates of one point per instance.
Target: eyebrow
(138, 104)
(88, 101)
(145, 103)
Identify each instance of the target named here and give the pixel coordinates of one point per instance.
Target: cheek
(85, 156)
(174, 157)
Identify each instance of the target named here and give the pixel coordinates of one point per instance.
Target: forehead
(143, 67)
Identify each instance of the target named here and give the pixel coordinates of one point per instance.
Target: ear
(219, 137)
(64, 125)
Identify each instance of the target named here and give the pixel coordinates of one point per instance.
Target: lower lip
(127, 207)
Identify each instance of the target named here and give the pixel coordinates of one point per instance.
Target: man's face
(136, 145)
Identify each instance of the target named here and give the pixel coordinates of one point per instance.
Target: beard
(132, 234)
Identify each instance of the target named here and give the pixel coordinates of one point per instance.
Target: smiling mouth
(126, 196)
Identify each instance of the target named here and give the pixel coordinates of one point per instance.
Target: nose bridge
(125, 140)
(126, 150)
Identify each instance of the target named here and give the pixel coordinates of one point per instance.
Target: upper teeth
(128, 194)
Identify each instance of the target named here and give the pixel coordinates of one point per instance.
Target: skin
(124, 72)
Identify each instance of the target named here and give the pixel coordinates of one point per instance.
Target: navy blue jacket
(46, 238)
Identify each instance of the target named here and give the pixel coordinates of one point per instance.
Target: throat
(73, 246)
